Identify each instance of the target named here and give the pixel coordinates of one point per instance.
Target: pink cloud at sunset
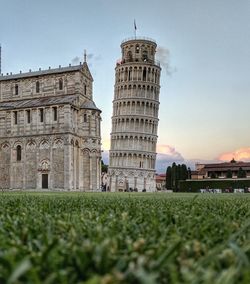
(168, 150)
(242, 154)
(166, 155)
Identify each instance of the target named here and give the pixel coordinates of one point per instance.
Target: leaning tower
(135, 117)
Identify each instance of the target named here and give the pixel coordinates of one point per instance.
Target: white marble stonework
(135, 117)
(49, 130)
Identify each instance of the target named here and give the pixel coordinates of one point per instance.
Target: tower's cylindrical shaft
(135, 117)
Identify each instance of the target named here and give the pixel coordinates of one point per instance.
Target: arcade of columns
(135, 117)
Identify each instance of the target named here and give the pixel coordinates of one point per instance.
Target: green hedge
(195, 185)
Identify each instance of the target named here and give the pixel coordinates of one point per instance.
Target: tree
(229, 174)
(241, 173)
(184, 172)
(104, 167)
(176, 173)
(169, 178)
(189, 173)
(213, 175)
(173, 174)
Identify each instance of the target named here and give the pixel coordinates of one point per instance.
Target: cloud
(163, 55)
(90, 57)
(76, 60)
(166, 156)
(105, 143)
(105, 157)
(242, 154)
(169, 151)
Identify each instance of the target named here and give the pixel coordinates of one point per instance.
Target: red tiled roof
(228, 165)
(223, 167)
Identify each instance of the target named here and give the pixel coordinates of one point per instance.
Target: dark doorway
(45, 183)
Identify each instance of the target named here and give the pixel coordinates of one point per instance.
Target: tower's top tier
(138, 50)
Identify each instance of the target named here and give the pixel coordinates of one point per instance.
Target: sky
(203, 46)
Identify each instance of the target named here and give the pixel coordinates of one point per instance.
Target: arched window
(145, 55)
(18, 153)
(28, 116)
(60, 84)
(144, 74)
(37, 87)
(85, 118)
(55, 113)
(41, 115)
(85, 90)
(130, 56)
(137, 48)
(16, 89)
(15, 117)
(130, 74)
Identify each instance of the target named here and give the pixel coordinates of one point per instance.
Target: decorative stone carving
(5, 147)
(44, 144)
(31, 146)
(44, 166)
(58, 143)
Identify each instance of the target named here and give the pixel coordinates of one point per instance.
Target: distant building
(160, 181)
(49, 130)
(220, 170)
(135, 117)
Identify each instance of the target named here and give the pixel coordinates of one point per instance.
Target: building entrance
(45, 179)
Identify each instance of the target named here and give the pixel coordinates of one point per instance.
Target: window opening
(144, 74)
(37, 87)
(18, 153)
(85, 117)
(28, 116)
(16, 89)
(15, 117)
(60, 84)
(55, 113)
(41, 115)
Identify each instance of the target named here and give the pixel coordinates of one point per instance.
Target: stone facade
(135, 117)
(49, 130)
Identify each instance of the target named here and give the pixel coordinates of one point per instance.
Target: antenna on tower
(85, 56)
(135, 28)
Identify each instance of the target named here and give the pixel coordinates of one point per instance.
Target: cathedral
(49, 130)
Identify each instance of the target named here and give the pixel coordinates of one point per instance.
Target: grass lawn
(124, 238)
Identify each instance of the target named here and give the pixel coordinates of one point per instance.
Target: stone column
(67, 164)
(135, 182)
(11, 167)
(116, 182)
(98, 169)
(110, 183)
(75, 166)
(80, 169)
(90, 172)
(51, 172)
